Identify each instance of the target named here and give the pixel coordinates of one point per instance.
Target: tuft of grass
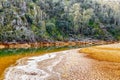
(104, 53)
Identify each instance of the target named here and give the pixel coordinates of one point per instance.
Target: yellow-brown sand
(105, 52)
(7, 61)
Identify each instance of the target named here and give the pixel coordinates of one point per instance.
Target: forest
(58, 20)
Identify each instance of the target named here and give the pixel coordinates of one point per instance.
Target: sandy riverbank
(64, 65)
(109, 52)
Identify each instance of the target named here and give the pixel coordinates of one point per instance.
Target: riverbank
(8, 57)
(8, 60)
(10, 52)
(57, 43)
(109, 52)
(63, 65)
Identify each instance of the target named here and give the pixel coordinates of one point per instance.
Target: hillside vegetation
(58, 20)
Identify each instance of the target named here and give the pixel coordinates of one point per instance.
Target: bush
(51, 29)
(29, 18)
(34, 1)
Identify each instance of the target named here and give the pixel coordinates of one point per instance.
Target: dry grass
(105, 52)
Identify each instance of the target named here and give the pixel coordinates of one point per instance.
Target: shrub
(51, 29)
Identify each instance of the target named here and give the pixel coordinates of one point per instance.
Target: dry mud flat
(64, 65)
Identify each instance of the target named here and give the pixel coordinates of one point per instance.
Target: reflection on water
(5, 52)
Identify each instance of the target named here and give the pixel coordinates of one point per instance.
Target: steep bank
(64, 65)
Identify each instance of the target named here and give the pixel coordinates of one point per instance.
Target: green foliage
(51, 29)
(34, 1)
(58, 20)
(29, 18)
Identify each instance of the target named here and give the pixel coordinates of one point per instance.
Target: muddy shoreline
(48, 44)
